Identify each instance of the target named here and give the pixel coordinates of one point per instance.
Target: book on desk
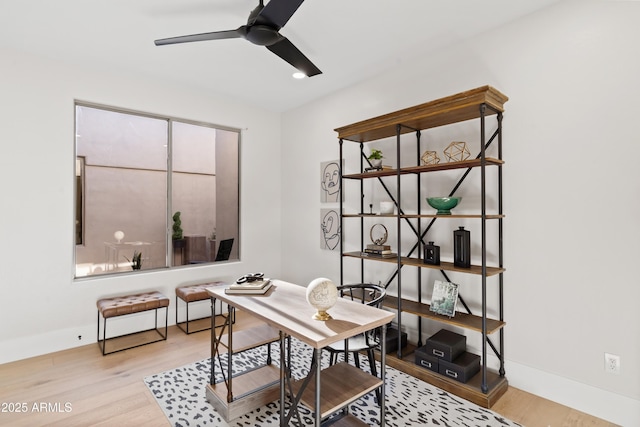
(258, 287)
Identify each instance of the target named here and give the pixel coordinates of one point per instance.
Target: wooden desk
(284, 307)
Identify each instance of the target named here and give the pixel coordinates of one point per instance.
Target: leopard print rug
(181, 393)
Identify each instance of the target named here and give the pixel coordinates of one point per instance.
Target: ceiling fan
(262, 28)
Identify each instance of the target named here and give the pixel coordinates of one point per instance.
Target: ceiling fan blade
(216, 35)
(287, 51)
(277, 12)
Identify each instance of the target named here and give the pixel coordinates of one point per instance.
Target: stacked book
(257, 287)
(379, 168)
(379, 251)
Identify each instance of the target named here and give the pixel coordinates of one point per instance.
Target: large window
(153, 192)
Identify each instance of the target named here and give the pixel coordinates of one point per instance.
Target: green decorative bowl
(443, 204)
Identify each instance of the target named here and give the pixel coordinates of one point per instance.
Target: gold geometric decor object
(457, 151)
(430, 158)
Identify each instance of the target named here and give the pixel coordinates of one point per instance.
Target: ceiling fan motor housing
(262, 35)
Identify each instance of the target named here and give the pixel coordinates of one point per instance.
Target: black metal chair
(372, 295)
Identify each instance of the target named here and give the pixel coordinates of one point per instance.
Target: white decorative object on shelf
(119, 235)
(387, 207)
(322, 294)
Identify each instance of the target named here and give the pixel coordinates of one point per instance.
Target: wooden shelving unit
(465, 164)
(463, 320)
(417, 262)
(471, 391)
(476, 104)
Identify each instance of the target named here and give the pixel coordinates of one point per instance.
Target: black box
(425, 360)
(392, 340)
(446, 345)
(462, 369)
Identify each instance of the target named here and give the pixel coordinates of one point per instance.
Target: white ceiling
(349, 40)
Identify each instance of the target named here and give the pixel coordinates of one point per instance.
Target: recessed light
(299, 75)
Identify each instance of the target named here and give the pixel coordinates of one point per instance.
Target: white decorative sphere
(322, 294)
(119, 235)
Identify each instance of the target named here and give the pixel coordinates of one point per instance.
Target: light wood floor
(80, 387)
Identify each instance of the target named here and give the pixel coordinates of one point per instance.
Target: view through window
(153, 192)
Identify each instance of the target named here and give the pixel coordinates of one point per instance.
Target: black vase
(431, 254)
(462, 248)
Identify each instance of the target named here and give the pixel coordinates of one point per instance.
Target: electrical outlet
(611, 363)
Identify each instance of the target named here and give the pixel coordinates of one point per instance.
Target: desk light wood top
(285, 308)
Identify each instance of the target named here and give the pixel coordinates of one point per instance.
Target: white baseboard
(64, 339)
(609, 406)
(45, 343)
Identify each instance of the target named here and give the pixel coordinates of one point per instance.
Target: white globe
(322, 294)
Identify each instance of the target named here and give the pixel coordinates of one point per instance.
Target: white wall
(571, 189)
(42, 309)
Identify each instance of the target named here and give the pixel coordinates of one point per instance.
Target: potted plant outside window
(136, 260)
(178, 239)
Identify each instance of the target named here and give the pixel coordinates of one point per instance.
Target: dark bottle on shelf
(462, 248)
(431, 254)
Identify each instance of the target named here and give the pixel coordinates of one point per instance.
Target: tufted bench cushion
(197, 292)
(130, 304)
(190, 294)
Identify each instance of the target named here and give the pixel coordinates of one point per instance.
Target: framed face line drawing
(330, 181)
(329, 229)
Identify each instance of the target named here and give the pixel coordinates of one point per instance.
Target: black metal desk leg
(229, 353)
(283, 373)
(383, 361)
(213, 340)
(318, 352)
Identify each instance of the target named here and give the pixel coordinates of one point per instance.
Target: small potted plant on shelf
(376, 158)
(136, 260)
